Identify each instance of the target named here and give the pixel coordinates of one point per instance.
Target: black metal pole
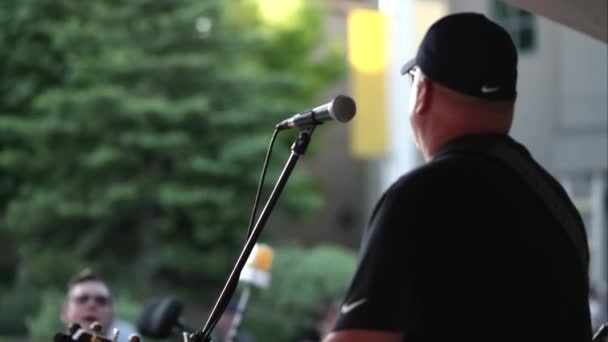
(297, 149)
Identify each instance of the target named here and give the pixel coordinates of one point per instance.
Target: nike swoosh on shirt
(346, 308)
(485, 89)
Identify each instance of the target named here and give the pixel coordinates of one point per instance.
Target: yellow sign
(261, 257)
(367, 57)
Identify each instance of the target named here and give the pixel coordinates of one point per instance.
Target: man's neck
(446, 139)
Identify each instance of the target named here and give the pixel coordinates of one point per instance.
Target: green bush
(301, 280)
(12, 339)
(126, 307)
(20, 303)
(43, 325)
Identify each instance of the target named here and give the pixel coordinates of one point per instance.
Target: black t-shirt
(461, 249)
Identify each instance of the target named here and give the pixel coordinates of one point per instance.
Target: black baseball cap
(470, 54)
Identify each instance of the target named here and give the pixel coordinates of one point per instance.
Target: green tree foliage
(29, 64)
(47, 321)
(16, 305)
(132, 132)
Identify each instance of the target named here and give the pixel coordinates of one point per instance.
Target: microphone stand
(297, 149)
(240, 309)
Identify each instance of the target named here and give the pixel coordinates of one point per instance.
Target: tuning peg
(134, 338)
(74, 327)
(96, 327)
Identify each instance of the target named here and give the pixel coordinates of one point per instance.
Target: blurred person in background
(468, 247)
(89, 300)
(327, 318)
(324, 317)
(223, 326)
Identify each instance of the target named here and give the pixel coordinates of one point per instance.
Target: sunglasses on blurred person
(97, 299)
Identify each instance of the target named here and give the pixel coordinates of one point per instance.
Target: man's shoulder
(420, 186)
(455, 180)
(438, 172)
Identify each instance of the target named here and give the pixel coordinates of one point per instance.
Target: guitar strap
(532, 175)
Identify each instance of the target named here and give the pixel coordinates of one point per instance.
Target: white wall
(537, 85)
(582, 105)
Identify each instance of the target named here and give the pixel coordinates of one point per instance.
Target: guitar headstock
(77, 334)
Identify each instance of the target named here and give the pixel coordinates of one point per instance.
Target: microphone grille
(159, 316)
(342, 108)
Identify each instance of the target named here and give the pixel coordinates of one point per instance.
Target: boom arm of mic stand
(297, 149)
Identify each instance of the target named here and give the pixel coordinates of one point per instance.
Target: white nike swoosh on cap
(346, 308)
(487, 89)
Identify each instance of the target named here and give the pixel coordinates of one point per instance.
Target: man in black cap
(480, 243)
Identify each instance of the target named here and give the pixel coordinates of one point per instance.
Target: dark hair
(84, 276)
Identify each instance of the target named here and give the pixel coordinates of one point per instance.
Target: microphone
(342, 108)
(160, 316)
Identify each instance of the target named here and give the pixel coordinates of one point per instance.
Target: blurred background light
(279, 13)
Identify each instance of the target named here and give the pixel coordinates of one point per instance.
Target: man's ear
(423, 96)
